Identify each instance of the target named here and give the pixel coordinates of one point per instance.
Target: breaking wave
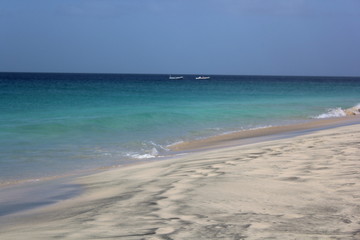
(339, 112)
(150, 150)
(152, 154)
(332, 112)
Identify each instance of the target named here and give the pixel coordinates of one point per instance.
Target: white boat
(202, 77)
(176, 77)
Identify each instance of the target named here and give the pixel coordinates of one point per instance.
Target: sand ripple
(307, 187)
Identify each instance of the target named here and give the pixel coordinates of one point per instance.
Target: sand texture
(306, 187)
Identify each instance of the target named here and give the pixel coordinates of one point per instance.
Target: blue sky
(255, 37)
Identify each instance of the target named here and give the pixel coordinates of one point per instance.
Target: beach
(179, 120)
(300, 187)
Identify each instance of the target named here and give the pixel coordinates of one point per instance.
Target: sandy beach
(303, 187)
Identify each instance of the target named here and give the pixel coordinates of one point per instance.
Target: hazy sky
(276, 37)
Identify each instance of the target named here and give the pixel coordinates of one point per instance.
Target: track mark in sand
(231, 163)
(203, 171)
(164, 230)
(222, 230)
(170, 203)
(293, 179)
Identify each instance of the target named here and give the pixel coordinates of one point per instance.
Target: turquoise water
(53, 124)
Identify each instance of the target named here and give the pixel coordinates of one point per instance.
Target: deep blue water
(52, 124)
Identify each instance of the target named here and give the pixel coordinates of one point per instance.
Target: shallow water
(52, 124)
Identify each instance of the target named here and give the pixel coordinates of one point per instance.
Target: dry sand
(306, 187)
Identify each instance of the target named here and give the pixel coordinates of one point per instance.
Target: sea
(54, 124)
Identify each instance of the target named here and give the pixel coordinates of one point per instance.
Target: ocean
(58, 124)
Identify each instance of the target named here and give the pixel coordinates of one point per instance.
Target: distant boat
(176, 77)
(202, 78)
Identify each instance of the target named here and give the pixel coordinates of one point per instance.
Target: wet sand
(267, 133)
(303, 187)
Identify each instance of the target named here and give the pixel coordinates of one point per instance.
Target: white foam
(339, 112)
(153, 153)
(141, 156)
(246, 129)
(332, 112)
(158, 146)
(261, 127)
(175, 143)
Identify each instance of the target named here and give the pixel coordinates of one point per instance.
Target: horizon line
(187, 74)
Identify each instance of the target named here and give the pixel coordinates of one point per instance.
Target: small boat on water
(202, 77)
(176, 77)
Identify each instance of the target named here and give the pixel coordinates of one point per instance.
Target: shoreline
(151, 196)
(243, 137)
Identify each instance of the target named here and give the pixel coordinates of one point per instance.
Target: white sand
(306, 187)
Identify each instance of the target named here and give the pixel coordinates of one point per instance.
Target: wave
(151, 154)
(156, 150)
(141, 156)
(339, 112)
(332, 112)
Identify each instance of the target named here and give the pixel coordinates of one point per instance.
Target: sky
(236, 37)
